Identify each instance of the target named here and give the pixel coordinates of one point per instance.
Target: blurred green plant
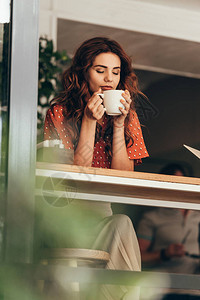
(51, 66)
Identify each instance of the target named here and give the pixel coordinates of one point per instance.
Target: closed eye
(99, 71)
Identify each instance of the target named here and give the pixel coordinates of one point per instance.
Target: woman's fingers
(126, 102)
(95, 107)
(94, 103)
(124, 111)
(127, 96)
(99, 112)
(126, 92)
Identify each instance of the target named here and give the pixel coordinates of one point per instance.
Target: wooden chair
(73, 257)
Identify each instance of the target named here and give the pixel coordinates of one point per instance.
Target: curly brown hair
(76, 89)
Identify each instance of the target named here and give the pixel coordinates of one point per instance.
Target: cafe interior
(162, 38)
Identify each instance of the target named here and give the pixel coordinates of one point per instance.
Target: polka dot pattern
(100, 157)
(138, 150)
(56, 127)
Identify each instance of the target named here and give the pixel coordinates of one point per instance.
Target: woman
(78, 118)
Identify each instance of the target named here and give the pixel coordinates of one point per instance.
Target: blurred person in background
(169, 238)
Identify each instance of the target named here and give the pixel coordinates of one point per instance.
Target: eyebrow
(102, 66)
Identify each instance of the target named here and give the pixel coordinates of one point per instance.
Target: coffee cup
(111, 101)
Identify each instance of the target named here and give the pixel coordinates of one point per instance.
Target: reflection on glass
(4, 103)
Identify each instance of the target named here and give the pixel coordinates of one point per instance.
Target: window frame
(22, 130)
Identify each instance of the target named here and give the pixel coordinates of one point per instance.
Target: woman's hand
(119, 120)
(120, 159)
(94, 109)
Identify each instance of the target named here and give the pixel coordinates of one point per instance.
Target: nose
(108, 76)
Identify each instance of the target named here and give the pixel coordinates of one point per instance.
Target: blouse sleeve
(55, 127)
(136, 150)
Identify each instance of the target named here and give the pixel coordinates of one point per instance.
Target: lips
(106, 87)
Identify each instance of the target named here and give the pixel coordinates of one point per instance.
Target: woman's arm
(120, 160)
(93, 111)
(84, 152)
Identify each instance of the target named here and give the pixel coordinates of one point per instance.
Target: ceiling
(192, 5)
(148, 52)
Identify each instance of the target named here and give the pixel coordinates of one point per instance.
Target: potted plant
(51, 65)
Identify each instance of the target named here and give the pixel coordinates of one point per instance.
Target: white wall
(170, 20)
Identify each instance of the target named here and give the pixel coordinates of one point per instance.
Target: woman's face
(105, 72)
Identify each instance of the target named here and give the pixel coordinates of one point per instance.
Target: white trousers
(116, 235)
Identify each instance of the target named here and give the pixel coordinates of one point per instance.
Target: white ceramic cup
(111, 101)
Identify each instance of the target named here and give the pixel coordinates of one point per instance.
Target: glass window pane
(4, 117)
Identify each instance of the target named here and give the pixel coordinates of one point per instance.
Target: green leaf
(51, 66)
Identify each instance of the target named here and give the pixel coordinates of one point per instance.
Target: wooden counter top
(125, 186)
(118, 173)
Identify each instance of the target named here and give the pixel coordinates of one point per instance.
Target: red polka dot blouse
(57, 127)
